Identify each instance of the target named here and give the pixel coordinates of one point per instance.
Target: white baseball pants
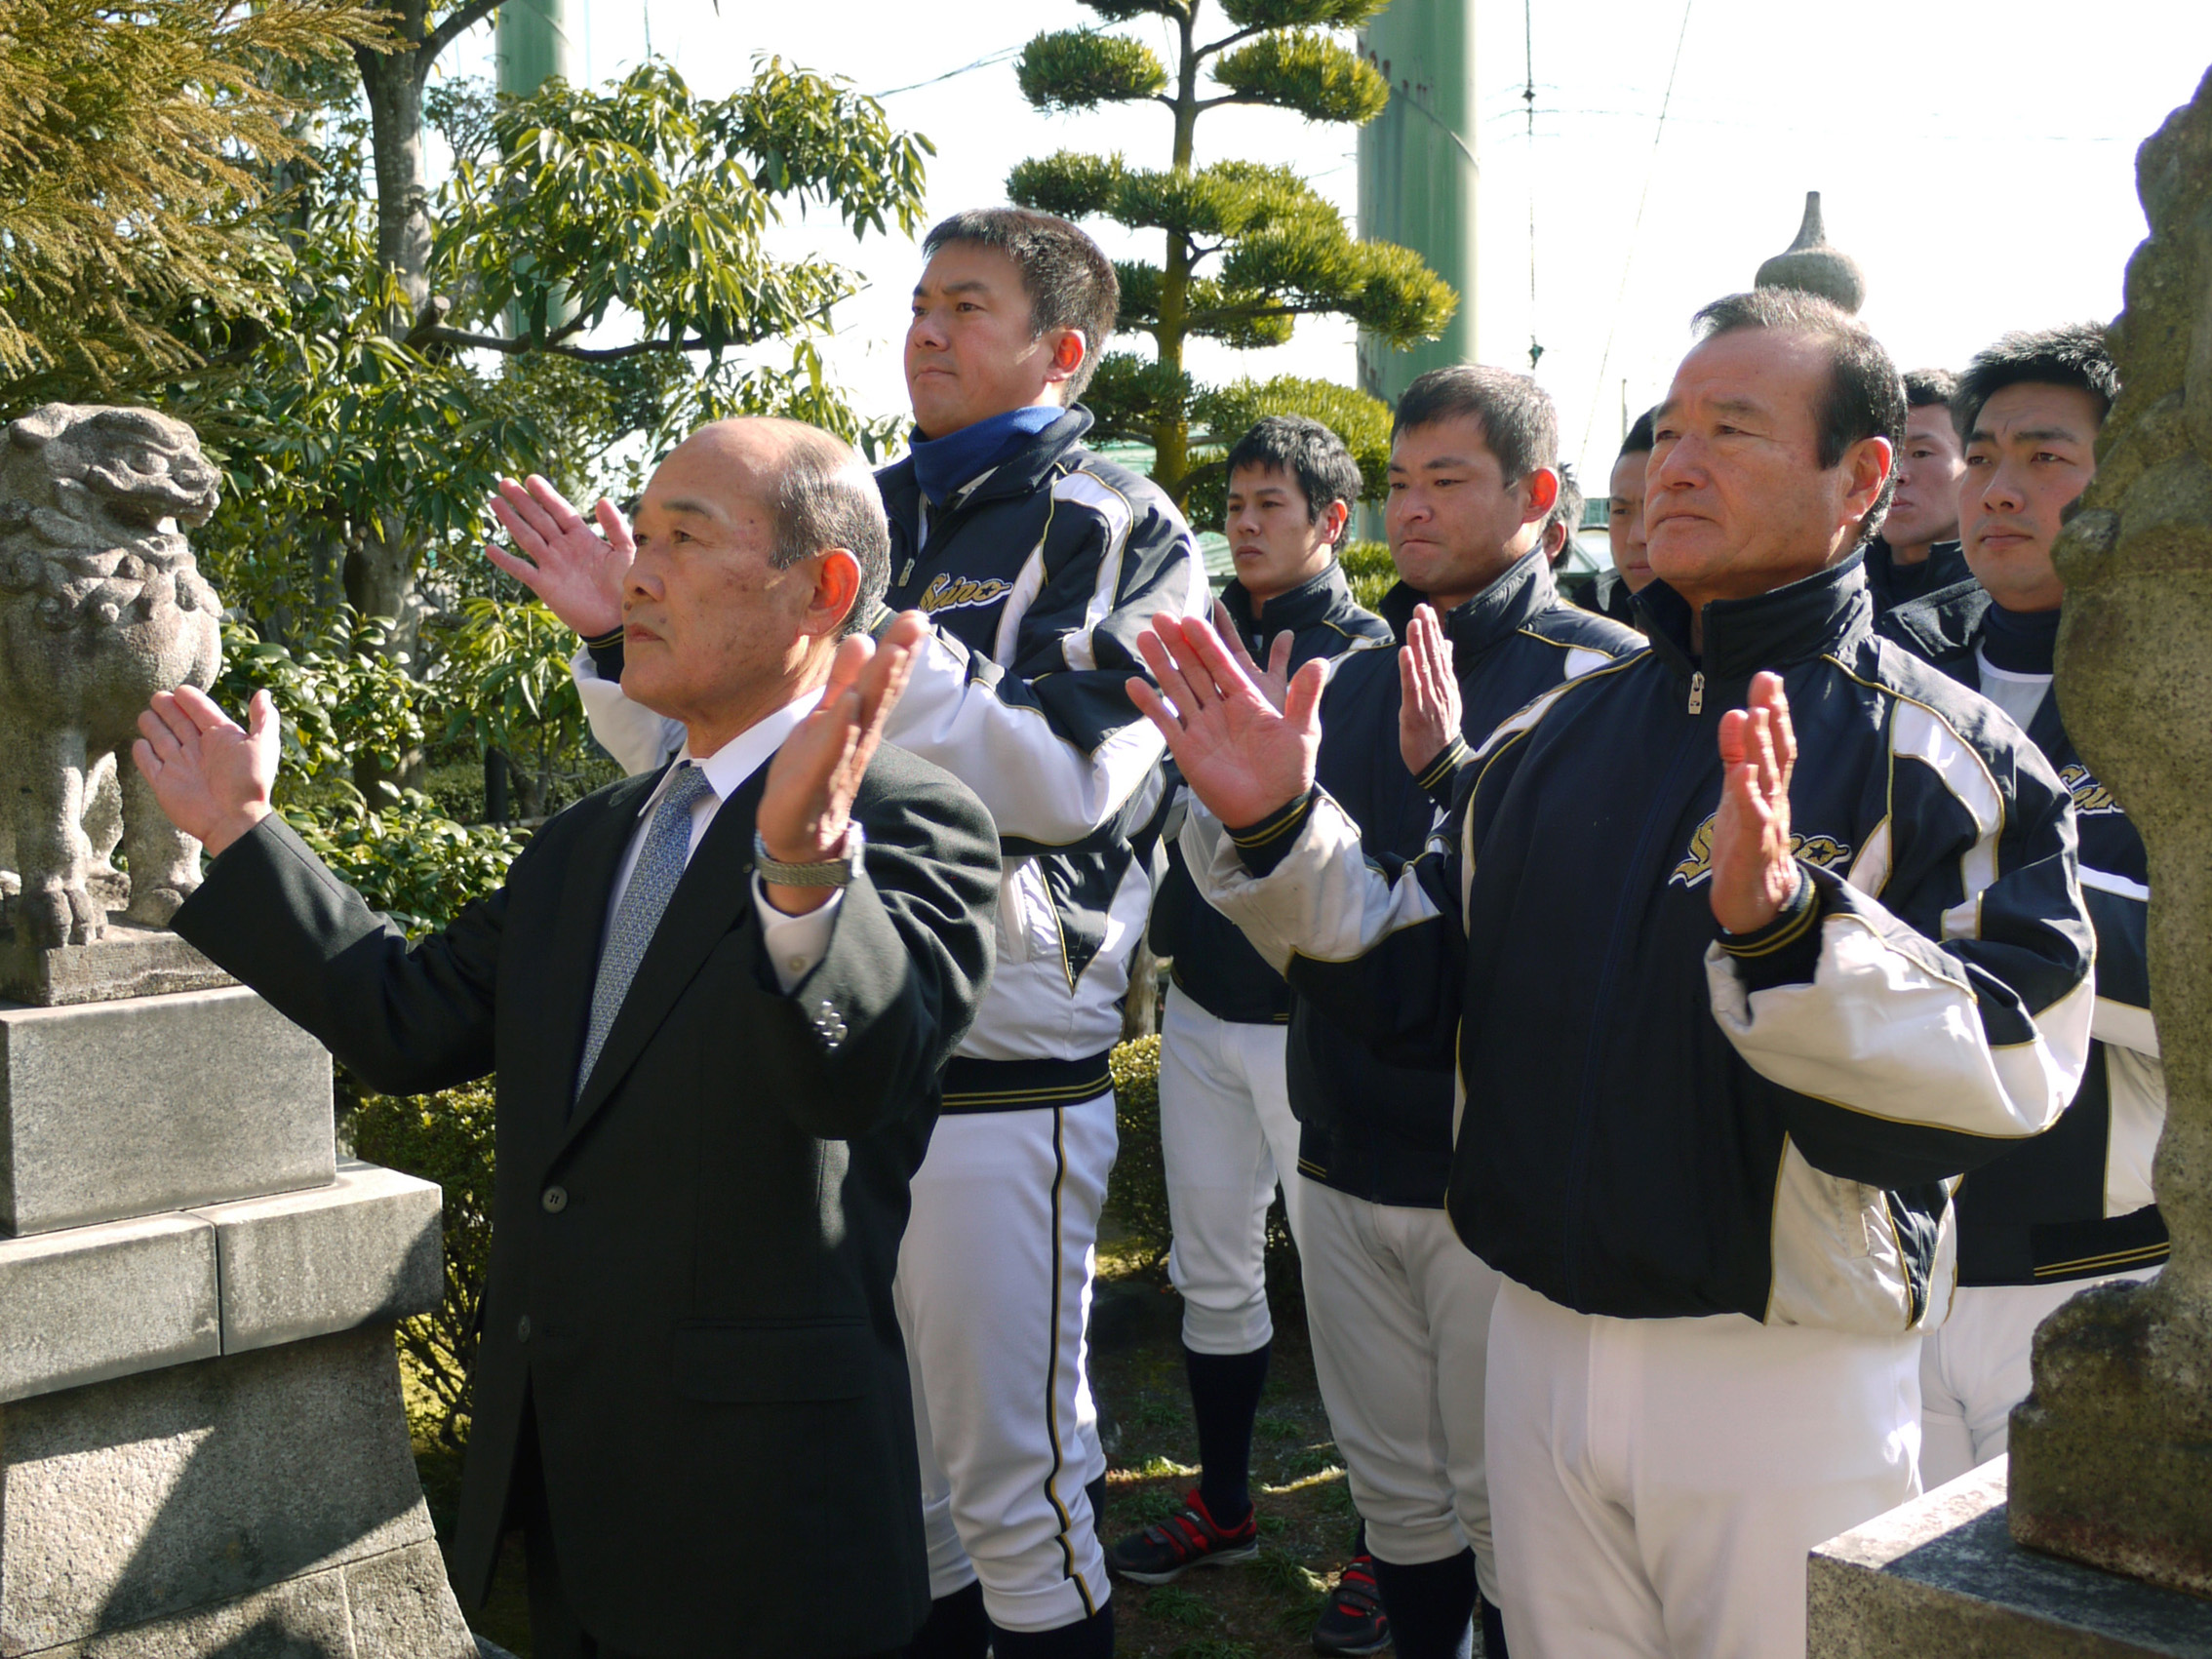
(1226, 1136)
(1657, 1483)
(1974, 1371)
(1399, 1312)
(994, 1299)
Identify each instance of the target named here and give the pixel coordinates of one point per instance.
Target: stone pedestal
(1942, 1578)
(131, 960)
(203, 1446)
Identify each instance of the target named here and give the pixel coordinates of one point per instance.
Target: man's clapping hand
(1428, 702)
(211, 776)
(1755, 872)
(1240, 755)
(576, 571)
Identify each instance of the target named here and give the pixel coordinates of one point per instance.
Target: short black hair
(1070, 282)
(1865, 395)
(1639, 441)
(1567, 510)
(1520, 424)
(826, 497)
(1305, 450)
(2073, 354)
(1924, 388)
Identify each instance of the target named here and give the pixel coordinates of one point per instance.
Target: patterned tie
(660, 867)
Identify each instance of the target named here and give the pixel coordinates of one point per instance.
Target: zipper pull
(907, 574)
(1697, 691)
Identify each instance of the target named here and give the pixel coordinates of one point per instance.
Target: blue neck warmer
(2020, 642)
(941, 465)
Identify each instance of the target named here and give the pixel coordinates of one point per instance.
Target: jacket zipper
(1662, 813)
(1697, 691)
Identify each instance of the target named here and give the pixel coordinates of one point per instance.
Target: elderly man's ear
(837, 589)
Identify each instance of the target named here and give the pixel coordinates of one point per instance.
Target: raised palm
(1240, 756)
(576, 571)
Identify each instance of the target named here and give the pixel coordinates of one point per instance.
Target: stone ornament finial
(1811, 267)
(2111, 1453)
(101, 606)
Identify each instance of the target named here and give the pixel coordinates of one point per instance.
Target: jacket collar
(1818, 615)
(1516, 598)
(1020, 474)
(1941, 626)
(1313, 601)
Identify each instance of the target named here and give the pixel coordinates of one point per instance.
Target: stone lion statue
(101, 606)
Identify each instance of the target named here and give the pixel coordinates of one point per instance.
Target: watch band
(839, 872)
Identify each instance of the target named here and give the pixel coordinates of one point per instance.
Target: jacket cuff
(605, 653)
(1787, 950)
(1440, 780)
(1264, 845)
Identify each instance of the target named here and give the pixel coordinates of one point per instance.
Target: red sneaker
(1159, 1554)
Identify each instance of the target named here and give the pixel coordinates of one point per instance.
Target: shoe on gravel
(1162, 1554)
(1353, 1621)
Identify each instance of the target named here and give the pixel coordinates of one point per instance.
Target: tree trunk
(1172, 427)
(393, 82)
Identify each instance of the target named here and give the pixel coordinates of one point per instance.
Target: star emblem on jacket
(1824, 852)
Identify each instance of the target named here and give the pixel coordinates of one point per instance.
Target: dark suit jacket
(692, 1271)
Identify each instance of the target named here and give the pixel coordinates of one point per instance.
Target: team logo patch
(1824, 852)
(958, 593)
(2091, 799)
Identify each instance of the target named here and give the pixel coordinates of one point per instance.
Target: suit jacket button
(555, 1199)
(522, 1328)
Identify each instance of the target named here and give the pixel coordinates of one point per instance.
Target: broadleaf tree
(1247, 248)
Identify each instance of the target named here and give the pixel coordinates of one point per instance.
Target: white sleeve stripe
(1324, 902)
(1114, 508)
(1029, 582)
(1871, 869)
(2104, 881)
(1888, 1036)
(2125, 1026)
(1582, 660)
(1918, 732)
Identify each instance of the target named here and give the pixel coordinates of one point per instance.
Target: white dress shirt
(794, 943)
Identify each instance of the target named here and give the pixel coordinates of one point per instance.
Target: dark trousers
(555, 1630)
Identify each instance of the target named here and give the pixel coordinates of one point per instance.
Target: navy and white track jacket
(1040, 574)
(1659, 1121)
(1369, 1128)
(1211, 963)
(2077, 1202)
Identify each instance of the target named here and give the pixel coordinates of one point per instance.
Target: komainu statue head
(101, 606)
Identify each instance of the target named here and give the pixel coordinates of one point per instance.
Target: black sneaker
(1353, 1621)
(1162, 1554)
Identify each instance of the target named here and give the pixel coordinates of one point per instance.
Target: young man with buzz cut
(1397, 1309)
(1610, 591)
(1918, 551)
(1039, 564)
(1225, 1131)
(1741, 948)
(2075, 1208)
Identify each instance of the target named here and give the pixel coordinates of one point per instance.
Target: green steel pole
(1417, 171)
(533, 44)
(532, 48)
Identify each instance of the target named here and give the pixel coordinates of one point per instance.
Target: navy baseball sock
(1494, 1630)
(1096, 1494)
(1225, 1395)
(1086, 1639)
(957, 1628)
(1430, 1606)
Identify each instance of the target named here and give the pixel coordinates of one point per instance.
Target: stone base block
(264, 1503)
(126, 1296)
(131, 960)
(1942, 1577)
(109, 1110)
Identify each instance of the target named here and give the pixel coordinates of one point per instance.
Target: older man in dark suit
(717, 998)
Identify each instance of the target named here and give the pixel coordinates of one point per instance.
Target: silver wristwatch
(839, 872)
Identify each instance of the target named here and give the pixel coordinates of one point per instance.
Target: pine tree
(1249, 247)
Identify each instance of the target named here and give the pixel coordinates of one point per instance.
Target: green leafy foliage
(1369, 571)
(1224, 413)
(1082, 68)
(1304, 71)
(447, 1138)
(1137, 1198)
(1247, 248)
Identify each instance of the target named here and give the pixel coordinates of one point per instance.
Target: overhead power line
(999, 57)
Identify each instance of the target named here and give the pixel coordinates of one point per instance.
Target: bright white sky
(1977, 160)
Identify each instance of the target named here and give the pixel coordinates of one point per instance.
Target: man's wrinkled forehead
(1747, 374)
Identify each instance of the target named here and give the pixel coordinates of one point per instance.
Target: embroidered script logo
(957, 593)
(2091, 799)
(1822, 851)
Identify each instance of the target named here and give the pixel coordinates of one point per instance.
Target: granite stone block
(1942, 1577)
(304, 1618)
(110, 1110)
(364, 1251)
(403, 1607)
(180, 1490)
(99, 1302)
(128, 961)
